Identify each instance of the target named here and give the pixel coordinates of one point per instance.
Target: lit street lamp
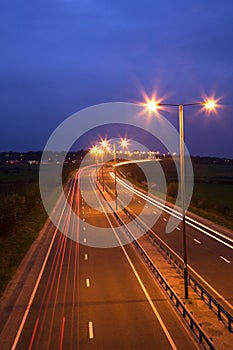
(124, 144)
(210, 105)
(94, 150)
(105, 145)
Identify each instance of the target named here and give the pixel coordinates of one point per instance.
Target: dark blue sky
(59, 56)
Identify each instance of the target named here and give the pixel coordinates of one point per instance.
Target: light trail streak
(76, 264)
(155, 311)
(62, 333)
(22, 323)
(198, 226)
(53, 272)
(221, 297)
(48, 290)
(61, 268)
(33, 334)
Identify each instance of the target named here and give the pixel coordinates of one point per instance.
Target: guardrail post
(191, 324)
(202, 294)
(200, 337)
(219, 312)
(191, 280)
(230, 320)
(195, 287)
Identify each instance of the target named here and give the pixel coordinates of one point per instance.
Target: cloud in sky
(61, 55)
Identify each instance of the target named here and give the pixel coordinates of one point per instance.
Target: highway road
(210, 259)
(70, 295)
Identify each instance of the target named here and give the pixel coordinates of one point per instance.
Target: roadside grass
(14, 245)
(22, 214)
(213, 171)
(219, 195)
(19, 172)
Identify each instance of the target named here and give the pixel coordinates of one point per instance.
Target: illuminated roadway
(72, 296)
(209, 258)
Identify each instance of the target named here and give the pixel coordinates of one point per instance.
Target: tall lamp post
(105, 145)
(209, 104)
(124, 144)
(94, 150)
(115, 179)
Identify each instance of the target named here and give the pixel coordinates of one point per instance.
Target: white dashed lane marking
(224, 259)
(91, 330)
(88, 283)
(196, 240)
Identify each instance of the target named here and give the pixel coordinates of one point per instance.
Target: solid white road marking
(86, 257)
(165, 330)
(37, 282)
(227, 261)
(176, 214)
(88, 283)
(91, 330)
(196, 240)
(147, 295)
(220, 296)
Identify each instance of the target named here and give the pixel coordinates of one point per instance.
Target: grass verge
(14, 246)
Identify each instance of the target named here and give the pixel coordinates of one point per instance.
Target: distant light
(104, 143)
(124, 143)
(94, 150)
(210, 104)
(152, 105)
(100, 151)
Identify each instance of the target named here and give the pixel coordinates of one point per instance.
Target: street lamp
(124, 144)
(104, 144)
(94, 150)
(210, 105)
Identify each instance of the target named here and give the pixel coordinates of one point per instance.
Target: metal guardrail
(213, 304)
(194, 326)
(224, 239)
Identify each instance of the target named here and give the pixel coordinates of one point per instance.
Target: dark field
(14, 173)
(22, 215)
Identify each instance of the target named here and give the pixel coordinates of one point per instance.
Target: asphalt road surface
(76, 296)
(210, 259)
